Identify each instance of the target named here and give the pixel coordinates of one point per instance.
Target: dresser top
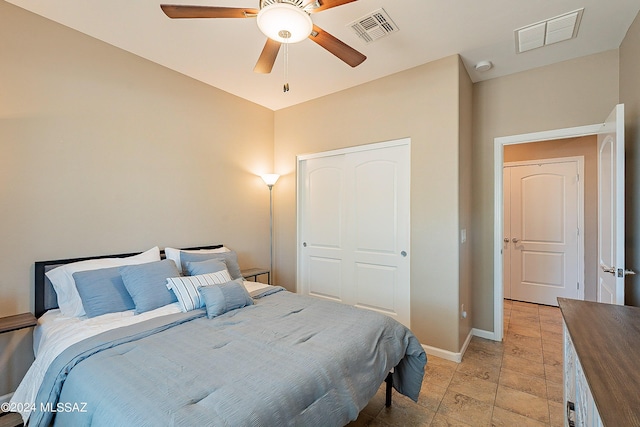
(607, 341)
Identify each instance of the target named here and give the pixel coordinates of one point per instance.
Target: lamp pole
(270, 179)
(270, 232)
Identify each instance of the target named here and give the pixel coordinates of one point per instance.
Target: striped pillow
(186, 288)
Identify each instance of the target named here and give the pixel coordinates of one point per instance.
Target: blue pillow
(225, 297)
(147, 284)
(230, 258)
(102, 291)
(205, 267)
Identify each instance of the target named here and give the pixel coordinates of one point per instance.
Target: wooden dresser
(601, 364)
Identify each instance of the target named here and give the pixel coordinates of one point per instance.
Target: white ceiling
(223, 52)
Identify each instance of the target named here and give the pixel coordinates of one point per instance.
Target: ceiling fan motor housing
(284, 21)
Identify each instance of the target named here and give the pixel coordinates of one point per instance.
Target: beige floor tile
(551, 345)
(439, 361)
(530, 331)
(487, 357)
(553, 357)
(524, 404)
(404, 412)
(524, 366)
(557, 414)
(463, 408)
(552, 336)
(553, 323)
(480, 368)
(553, 373)
(431, 396)
(524, 306)
(487, 347)
(442, 421)
(472, 386)
(555, 392)
(533, 353)
(523, 340)
(525, 383)
(438, 375)
(503, 418)
(524, 318)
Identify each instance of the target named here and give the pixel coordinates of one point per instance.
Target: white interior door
(611, 209)
(506, 252)
(543, 249)
(355, 229)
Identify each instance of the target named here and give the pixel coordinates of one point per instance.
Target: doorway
(543, 242)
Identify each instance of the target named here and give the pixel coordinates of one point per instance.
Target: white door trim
(579, 160)
(498, 160)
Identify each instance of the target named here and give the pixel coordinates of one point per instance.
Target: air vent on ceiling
(544, 33)
(373, 26)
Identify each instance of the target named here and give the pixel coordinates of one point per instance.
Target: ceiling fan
(282, 21)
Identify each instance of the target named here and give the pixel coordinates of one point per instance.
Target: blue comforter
(287, 360)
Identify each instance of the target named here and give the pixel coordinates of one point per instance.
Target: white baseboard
(484, 334)
(5, 398)
(443, 354)
(446, 354)
(457, 357)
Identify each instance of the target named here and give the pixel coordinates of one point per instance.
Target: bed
(232, 352)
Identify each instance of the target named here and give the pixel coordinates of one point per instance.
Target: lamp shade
(270, 178)
(284, 23)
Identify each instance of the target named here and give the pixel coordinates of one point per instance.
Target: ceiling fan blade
(267, 57)
(181, 11)
(337, 47)
(325, 4)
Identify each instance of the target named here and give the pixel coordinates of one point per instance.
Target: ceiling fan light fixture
(284, 23)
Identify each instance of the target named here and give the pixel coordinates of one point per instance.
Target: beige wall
(578, 92)
(586, 147)
(104, 152)
(464, 200)
(630, 96)
(422, 104)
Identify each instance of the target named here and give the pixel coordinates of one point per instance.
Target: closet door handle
(506, 240)
(515, 240)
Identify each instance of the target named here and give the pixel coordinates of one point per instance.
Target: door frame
(579, 160)
(498, 161)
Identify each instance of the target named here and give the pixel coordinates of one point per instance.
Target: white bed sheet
(55, 333)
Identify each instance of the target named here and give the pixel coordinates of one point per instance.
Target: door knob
(515, 240)
(403, 253)
(607, 269)
(506, 240)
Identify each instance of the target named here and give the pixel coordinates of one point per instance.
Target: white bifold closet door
(354, 227)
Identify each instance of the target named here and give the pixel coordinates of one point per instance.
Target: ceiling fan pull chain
(286, 35)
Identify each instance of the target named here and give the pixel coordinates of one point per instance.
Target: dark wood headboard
(45, 295)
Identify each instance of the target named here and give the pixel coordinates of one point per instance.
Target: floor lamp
(270, 179)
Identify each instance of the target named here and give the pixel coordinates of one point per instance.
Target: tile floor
(514, 383)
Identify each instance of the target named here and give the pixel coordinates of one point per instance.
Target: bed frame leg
(389, 381)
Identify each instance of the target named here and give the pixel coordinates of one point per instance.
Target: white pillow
(186, 288)
(174, 254)
(62, 278)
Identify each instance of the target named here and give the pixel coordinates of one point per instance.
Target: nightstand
(10, 419)
(255, 272)
(18, 321)
(8, 324)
